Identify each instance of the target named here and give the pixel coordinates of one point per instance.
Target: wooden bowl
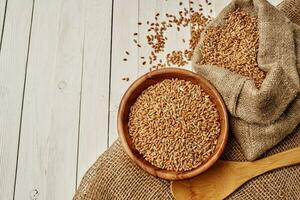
(130, 97)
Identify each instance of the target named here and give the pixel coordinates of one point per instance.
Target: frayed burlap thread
(114, 176)
(260, 118)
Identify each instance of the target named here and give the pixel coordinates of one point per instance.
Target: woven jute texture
(114, 176)
(260, 118)
(291, 9)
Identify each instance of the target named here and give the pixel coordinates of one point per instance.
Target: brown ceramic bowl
(136, 89)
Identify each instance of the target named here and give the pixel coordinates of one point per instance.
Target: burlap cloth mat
(115, 176)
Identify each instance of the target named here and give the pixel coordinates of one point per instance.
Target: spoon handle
(283, 159)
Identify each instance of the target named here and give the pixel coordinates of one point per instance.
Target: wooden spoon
(224, 177)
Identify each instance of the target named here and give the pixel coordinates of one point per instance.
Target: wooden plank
(49, 132)
(275, 2)
(95, 84)
(3, 6)
(125, 21)
(219, 5)
(13, 58)
(113, 127)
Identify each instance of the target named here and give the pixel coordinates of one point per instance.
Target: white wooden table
(61, 70)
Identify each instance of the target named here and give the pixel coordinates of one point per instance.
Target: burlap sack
(114, 176)
(276, 55)
(260, 118)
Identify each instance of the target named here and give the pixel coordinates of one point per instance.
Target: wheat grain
(234, 46)
(174, 125)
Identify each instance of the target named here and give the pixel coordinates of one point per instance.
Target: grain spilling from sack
(157, 40)
(234, 46)
(174, 125)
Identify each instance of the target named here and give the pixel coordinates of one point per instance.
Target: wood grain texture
(125, 21)
(137, 88)
(49, 131)
(226, 176)
(93, 134)
(13, 59)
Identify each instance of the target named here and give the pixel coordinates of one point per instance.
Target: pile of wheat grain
(234, 46)
(174, 125)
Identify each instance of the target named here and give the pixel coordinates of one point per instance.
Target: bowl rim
(162, 173)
